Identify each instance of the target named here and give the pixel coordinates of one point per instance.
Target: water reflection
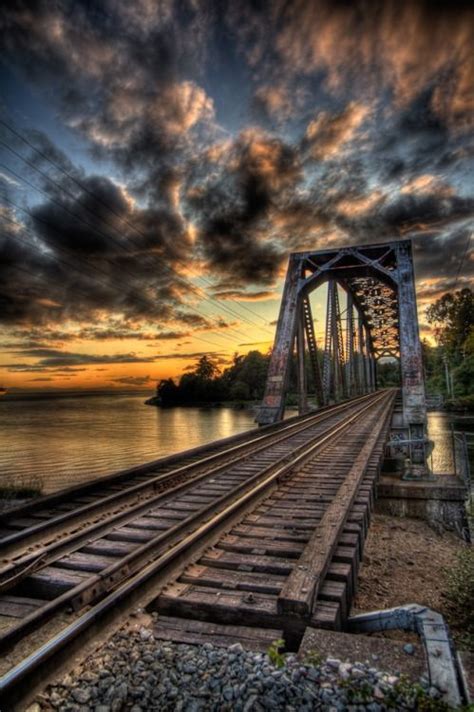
(440, 427)
(71, 440)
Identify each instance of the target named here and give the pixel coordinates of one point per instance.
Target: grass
(24, 487)
(275, 654)
(459, 597)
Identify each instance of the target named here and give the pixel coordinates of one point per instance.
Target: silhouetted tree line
(453, 318)
(449, 366)
(243, 380)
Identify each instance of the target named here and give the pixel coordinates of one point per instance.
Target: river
(58, 442)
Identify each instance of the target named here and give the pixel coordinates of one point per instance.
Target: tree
(168, 392)
(206, 368)
(453, 318)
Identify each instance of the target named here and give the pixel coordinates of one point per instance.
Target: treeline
(449, 366)
(244, 380)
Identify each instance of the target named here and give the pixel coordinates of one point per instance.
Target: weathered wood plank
(232, 580)
(186, 630)
(301, 587)
(261, 546)
(242, 562)
(224, 606)
(19, 606)
(52, 581)
(79, 561)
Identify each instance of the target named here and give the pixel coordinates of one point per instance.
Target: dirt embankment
(405, 561)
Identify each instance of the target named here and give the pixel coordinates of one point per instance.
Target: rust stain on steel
(380, 286)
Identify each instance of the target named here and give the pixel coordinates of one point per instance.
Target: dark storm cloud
(244, 296)
(342, 111)
(196, 355)
(54, 358)
(117, 332)
(233, 208)
(132, 380)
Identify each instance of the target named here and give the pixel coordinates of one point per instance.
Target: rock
(228, 693)
(81, 695)
(378, 693)
(345, 670)
(333, 663)
(409, 649)
(250, 703)
(374, 707)
(235, 648)
(146, 634)
(313, 674)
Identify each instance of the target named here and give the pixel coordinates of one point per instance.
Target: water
(65, 441)
(60, 442)
(439, 430)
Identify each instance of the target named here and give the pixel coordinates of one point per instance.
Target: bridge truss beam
(379, 320)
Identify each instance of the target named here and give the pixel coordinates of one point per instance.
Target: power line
(22, 268)
(179, 279)
(466, 250)
(108, 286)
(35, 217)
(122, 218)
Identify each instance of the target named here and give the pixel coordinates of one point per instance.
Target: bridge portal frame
(387, 325)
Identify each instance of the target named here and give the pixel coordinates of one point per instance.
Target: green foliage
(453, 318)
(244, 380)
(21, 487)
(313, 658)
(460, 403)
(240, 391)
(415, 697)
(388, 374)
(460, 596)
(206, 368)
(273, 652)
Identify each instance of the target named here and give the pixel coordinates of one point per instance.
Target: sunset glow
(160, 160)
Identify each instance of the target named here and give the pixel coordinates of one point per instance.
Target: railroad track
(28, 527)
(285, 515)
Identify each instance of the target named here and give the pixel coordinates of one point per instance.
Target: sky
(160, 160)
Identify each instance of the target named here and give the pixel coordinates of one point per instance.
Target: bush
(460, 403)
(21, 487)
(459, 596)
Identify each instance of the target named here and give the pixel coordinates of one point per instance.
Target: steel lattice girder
(380, 281)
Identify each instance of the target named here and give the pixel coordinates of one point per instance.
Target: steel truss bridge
(378, 319)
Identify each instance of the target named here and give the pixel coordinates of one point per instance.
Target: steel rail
(31, 671)
(101, 583)
(235, 453)
(138, 470)
(18, 568)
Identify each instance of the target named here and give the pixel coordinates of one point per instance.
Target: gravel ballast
(134, 672)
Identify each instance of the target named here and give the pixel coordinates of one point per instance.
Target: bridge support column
(411, 365)
(301, 368)
(273, 404)
(350, 346)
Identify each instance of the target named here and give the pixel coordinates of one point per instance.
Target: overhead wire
(95, 268)
(102, 234)
(240, 334)
(122, 218)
